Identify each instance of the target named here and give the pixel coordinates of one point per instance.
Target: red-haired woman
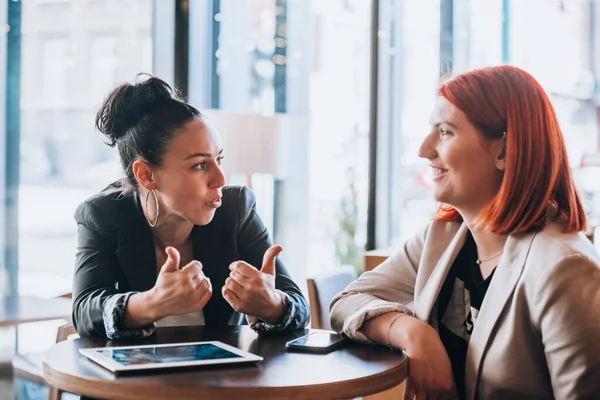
(499, 296)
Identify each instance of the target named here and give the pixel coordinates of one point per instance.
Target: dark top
(465, 288)
(115, 255)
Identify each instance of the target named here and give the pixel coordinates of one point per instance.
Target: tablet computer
(158, 356)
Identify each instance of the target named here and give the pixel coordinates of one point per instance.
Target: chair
(322, 289)
(29, 366)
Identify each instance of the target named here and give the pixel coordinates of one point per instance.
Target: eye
(445, 132)
(201, 165)
(220, 160)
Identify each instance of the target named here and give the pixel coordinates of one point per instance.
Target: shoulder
(552, 244)
(556, 258)
(103, 208)
(239, 195)
(238, 202)
(561, 276)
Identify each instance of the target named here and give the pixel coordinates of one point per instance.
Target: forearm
(379, 329)
(140, 311)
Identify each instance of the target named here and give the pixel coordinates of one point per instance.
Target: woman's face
(467, 168)
(191, 179)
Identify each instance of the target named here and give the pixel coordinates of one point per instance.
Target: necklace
(479, 261)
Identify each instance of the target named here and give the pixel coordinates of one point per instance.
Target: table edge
(127, 391)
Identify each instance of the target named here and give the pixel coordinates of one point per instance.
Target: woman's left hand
(252, 292)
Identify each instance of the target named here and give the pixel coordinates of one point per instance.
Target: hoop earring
(157, 210)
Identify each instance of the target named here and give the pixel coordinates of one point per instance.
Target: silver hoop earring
(157, 210)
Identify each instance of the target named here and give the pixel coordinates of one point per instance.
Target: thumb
(172, 263)
(268, 266)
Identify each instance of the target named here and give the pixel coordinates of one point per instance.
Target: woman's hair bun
(127, 104)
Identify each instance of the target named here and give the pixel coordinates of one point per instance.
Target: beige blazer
(537, 335)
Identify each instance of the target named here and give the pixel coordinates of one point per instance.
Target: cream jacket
(537, 335)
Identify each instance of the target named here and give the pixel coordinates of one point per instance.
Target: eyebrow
(202, 154)
(437, 124)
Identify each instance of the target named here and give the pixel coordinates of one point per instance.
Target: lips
(437, 172)
(216, 203)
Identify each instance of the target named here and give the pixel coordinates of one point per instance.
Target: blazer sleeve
(567, 313)
(98, 306)
(389, 287)
(253, 241)
(95, 275)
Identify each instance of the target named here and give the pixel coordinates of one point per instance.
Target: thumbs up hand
(252, 291)
(172, 263)
(178, 291)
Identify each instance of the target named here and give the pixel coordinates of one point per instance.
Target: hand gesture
(180, 291)
(253, 292)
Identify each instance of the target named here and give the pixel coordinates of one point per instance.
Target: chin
(204, 219)
(441, 197)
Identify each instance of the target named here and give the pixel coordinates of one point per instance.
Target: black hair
(141, 119)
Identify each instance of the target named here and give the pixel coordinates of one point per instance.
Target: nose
(427, 149)
(219, 179)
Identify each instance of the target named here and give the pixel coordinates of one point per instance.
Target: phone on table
(317, 342)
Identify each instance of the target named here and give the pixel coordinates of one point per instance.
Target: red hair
(508, 99)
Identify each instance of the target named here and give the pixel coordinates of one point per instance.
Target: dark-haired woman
(169, 244)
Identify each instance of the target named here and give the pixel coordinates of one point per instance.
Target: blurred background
(321, 104)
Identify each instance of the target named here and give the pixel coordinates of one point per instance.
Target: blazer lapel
(428, 296)
(506, 276)
(136, 247)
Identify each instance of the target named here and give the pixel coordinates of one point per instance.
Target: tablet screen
(170, 354)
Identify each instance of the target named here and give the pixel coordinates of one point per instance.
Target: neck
(488, 244)
(171, 231)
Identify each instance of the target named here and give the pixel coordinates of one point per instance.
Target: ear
(500, 161)
(143, 174)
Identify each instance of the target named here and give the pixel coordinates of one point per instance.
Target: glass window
(246, 55)
(301, 69)
(409, 72)
(104, 65)
(73, 52)
(552, 40)
(55, 68)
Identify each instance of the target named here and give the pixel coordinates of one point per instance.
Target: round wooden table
(355, 370)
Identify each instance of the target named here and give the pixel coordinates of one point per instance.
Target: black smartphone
(317, 342)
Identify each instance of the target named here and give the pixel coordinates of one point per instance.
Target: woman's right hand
(429, 368)
(178, 291)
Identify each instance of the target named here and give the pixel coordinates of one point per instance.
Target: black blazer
(115, 254)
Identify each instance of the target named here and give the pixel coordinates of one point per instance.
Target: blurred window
(72, 54)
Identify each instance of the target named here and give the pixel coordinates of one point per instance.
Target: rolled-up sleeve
(287, 318)
(114, 315)
(388, 288)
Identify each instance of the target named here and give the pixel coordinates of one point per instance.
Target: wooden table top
(15, 310)
(355, 370)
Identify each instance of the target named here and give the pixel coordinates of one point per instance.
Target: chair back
(322, 289)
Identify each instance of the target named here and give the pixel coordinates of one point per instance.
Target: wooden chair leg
(54, 393)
